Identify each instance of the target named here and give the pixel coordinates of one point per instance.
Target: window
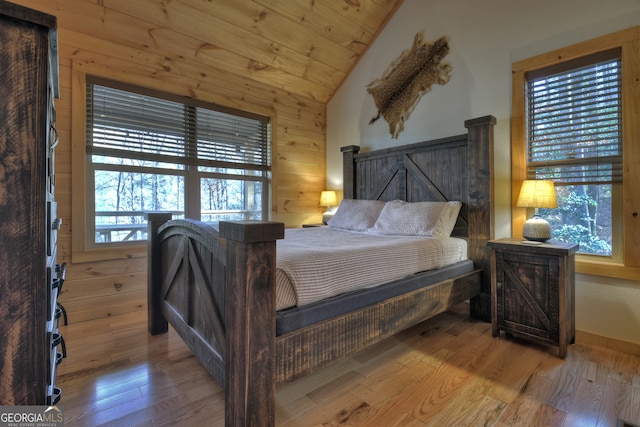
(575, 120)
(574, 137)
(148, 151)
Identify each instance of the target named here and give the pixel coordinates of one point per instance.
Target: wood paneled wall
(116, 45)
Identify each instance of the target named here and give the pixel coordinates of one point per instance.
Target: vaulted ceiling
(305, 47)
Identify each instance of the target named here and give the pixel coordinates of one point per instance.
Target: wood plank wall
(117, 45)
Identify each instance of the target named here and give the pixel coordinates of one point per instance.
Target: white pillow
(356, 215)
(447, 219)
(417, 219)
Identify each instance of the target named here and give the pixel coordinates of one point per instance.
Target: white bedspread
(317, 263)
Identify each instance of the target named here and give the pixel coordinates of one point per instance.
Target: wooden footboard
(217, 290)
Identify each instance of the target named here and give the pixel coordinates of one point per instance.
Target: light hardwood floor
(447, 371)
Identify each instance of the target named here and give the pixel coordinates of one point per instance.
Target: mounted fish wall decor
(409, 77)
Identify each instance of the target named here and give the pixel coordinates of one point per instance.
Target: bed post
(157, 324)
(348, 171)
(250, 300)
(481, 206)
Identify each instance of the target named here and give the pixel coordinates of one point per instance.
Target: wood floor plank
(426, 397)
(567, 379)
(308, 384)
(452, 377)
(618, 402)
(469, 409)
(447, 371)
(100, 415)
(342, 409)
(547, 416)
(204, 412)
(599, 364)
(586, 405)
(525, 406)
(507, 382)
(388, 382)
(337, 386)
(293, 410)
(623, 365)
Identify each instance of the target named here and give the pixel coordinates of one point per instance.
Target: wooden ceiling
(305, 47)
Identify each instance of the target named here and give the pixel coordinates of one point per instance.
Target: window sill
(104, 254)
(607, 269)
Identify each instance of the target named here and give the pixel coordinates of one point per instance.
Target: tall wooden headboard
(447, 169)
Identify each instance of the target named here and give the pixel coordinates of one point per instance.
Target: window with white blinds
(149, 151)
(574, 138)
(575, 120)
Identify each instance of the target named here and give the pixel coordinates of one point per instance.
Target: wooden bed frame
(217, 289)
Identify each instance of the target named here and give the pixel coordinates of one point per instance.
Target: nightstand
(533, 291)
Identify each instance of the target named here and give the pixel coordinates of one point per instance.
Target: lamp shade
(328, 198)
(537, 194)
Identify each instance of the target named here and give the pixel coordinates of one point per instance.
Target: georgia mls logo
(54, 410)
(31, 416)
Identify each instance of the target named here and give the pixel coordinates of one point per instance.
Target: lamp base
(536, 229)
(328, 215)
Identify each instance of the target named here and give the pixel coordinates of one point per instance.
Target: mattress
(314, 264)
(294, 318)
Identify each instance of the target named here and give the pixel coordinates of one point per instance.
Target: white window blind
(139, 126)
(151, 151)
(575, 121)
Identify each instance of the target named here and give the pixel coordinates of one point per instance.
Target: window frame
(604, 166)
(82, 249)
(628, 229)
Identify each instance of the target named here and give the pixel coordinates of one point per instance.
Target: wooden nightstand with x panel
(533, 291)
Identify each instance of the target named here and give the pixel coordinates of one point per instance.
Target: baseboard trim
(613, 344)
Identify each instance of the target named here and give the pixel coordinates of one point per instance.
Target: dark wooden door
(528, 294)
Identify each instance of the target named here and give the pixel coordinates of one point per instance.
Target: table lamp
(537, 194)
(329, 200)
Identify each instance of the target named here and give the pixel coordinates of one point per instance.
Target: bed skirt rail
(365, 327)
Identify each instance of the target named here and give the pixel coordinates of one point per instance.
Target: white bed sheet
(320, 262)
